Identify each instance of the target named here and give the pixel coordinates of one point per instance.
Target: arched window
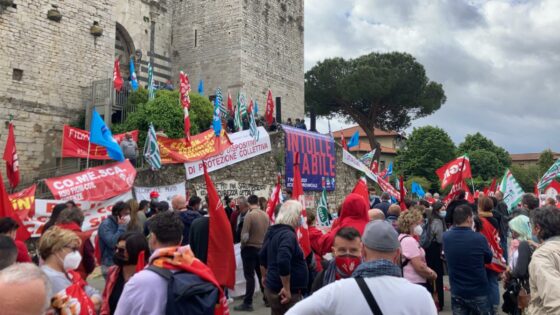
(124, 48)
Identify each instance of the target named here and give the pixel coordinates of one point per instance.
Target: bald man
(25, 290)
(376, 214)
(179, 204)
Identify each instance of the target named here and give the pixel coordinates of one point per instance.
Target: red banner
(94, 184)
(386, 186)
(75, 143)
(203, 145)
(23, 202)
(454, 171)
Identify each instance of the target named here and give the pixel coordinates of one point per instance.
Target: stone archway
(124, 48)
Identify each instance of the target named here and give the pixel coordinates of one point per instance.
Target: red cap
(154, 194)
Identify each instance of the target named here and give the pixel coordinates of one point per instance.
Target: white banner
(94, 212)
(244, 147)
(166, 193)
(354, 162)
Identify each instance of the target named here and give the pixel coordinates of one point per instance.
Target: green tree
(526, 176)
(426, 149)
(478, 142)
(545, 161)
(383, 90)
(166, 113)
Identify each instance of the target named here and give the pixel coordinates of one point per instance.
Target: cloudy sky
(498, 61)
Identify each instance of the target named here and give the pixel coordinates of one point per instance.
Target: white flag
(511, 189)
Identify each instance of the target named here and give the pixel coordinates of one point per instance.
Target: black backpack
(187, 293)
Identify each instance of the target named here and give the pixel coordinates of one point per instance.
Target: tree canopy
(487, 159)
(426, 150)
(383, 90)
(546, 159)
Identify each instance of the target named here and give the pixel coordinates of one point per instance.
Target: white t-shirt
(393, 295)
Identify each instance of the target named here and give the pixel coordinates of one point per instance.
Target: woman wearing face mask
(433, 252)
(131, 255)
(414, 264)
(109, 232)
(60, 250)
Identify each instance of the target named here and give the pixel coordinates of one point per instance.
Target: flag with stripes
(253, 130)
(151, 88)
(220, 101)
(151, 149)
(366, 158)
(240, 109)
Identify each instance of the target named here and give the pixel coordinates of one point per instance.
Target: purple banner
(317, 159)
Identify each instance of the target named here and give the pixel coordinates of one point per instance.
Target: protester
(414, 264)
(283, 266)
(436, 227)
(501, 211)
(376, 281)
(466, 253)
(354, 214)
(529, 202)
(143, 208)
(187, 215)
(517, 274)
(60, 251)
(129, 148)
(238, 217)
(457, 201)
(9, 227)
(198, 237)
(314, 237)
(109, 231)
(57, 209)
(136, 223)
(254, 229)
(132, 253)
(489, 229)
(393, 214)
(385, 203)
(376, 214)
(71, 219)
(544, 268)
(8, 251)
(263, 203)
(25, 290)
(347, 253)
(374, 200)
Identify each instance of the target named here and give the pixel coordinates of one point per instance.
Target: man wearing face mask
(375, 284)
(347, 253)
(109, 232)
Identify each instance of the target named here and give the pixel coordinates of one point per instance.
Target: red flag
(374, 167)
(230, 104)
(361, 189)
(274, 199)
(185, 88)
(269, 114)
(297, 194)
(402, 192)
(11, 158)
(454, 171)
(221, 257)
(117, 78)
(250, 108)
(460, 185)
(492, 186)
(343, 142)
(6, 210)
(536, 190)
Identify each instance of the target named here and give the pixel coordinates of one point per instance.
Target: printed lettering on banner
(23, 202)
(243, 147)
(94, 212)
(166, 193)
(354, 162)
(75, 143)
(96, 183)
(234, 188)
(201, 146)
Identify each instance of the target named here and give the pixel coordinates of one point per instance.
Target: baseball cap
(381, 236)
(154, 194)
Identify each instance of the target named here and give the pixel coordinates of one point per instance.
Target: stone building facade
(47, 67)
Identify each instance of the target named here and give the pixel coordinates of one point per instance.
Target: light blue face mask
(442, 214)
(535, 239)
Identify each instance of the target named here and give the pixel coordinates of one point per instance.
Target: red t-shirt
(23, 255)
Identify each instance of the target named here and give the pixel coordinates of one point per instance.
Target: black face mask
(119, 259)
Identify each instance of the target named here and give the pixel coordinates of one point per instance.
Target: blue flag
(216, 121)
(256, 109)
(417, 189)
(101, 135)
(389, 170)
(133, 79)
(355, 140)
(201, 87)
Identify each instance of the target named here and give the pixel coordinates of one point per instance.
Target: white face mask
(418, 230)
(72, 260)
(126, 219)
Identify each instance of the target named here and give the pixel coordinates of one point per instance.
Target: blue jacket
(383, 206)
(282, 256)
(109, 232)
(188, 217)
(466, 253)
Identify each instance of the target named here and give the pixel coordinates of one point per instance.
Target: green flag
(552, 173)
(151, 87)
(239, 110)
(511, 189)
(323, 211)
(151, 149)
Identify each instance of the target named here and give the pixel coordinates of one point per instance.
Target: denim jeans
(473, 306)
(493, 290)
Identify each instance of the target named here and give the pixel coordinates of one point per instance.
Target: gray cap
(381, 236)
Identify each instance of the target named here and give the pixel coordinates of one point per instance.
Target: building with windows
(528, 159)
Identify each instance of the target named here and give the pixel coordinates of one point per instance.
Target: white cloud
(498, 60)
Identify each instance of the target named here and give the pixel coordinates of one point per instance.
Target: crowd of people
(375, 257)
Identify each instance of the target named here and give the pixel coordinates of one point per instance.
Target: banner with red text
(75, 143)
(94, 184)
(94, 212)
(387, 187)
(203, 145)
(244, 147)
(23, 202)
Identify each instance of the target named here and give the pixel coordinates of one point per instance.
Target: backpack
(426, 237)
(187, 293)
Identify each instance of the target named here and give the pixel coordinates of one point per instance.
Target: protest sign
(166, 193)
(75, 143)
(93, 184)
(94, 212)
(243, 147)
(354, 162)
(23, 202)
(317, 159)
(202, 146)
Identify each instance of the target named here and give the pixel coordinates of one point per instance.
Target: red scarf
(498, 263)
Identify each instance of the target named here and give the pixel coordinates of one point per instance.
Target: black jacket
(188, 217)
(451, 207)
(198, 236)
